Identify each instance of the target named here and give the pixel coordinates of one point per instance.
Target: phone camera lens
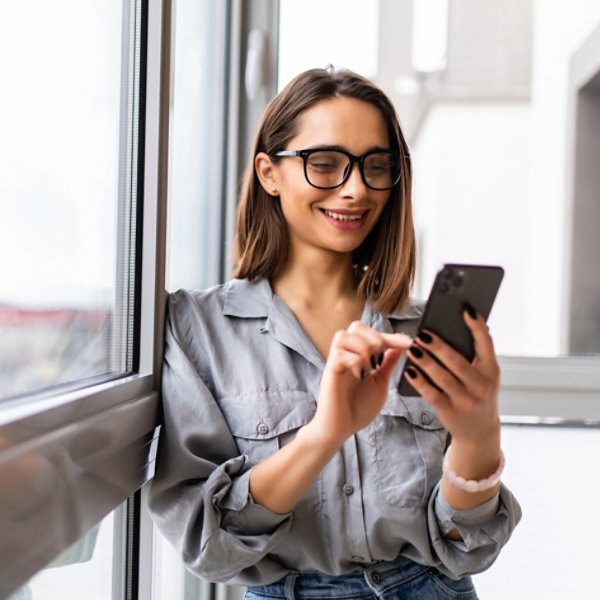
(444, 287)
(458, 280)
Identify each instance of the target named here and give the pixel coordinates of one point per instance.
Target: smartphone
(455, 286)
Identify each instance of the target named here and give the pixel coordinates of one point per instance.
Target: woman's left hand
(465, 394)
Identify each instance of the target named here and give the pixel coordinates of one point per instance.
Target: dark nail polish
(380, 359)
(472, 312)
(425, 337)
(411, 372)
(373, 362)
(362, 373)
(416, 352)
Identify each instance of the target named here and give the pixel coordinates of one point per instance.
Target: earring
(273, 190)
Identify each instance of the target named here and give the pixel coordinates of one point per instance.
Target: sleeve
(199, 497)
(485, 529)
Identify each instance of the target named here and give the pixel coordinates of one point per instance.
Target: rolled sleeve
(484, 529)
(199, 497)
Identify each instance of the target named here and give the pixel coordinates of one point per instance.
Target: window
(68, 147)
(82, 297)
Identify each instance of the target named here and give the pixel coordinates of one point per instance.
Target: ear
(266, 172)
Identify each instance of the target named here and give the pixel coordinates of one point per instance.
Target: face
(336, 220)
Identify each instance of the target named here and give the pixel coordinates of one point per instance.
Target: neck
(314, 277)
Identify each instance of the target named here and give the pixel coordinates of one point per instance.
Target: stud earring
(273, 190)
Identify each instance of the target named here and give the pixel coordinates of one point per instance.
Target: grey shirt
(240, 377)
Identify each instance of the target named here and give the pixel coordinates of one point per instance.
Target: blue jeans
(401, 579)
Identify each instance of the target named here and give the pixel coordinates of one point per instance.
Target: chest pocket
(263, 422)
(409, 445)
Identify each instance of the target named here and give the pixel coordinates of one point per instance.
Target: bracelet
(471, 485)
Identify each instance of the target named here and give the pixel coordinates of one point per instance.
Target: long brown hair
(385, 261)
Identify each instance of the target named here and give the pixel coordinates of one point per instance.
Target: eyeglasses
(328, 169)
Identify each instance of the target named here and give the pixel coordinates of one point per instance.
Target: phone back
(455, 286)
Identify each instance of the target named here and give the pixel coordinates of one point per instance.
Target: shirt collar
(253, 299)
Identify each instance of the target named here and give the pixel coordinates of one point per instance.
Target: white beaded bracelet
(471, 485)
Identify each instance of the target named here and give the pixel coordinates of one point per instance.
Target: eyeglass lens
(329, 169)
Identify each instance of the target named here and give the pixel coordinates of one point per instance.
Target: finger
(441, 377)
(484, 345)
(424, 388)
(398, 340)
(454, 361)
(367, 346)
(391, 358)
(342, 361)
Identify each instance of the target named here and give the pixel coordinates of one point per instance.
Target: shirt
(240, 377)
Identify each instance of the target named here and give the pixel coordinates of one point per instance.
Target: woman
(288, 462)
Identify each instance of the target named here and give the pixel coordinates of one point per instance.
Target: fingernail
(411, 372)
(362, 373)
(425, 337)
(373, 362)
(471, 311)
(380, 359)
(416, 352)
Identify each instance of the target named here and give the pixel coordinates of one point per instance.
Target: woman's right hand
(355, 381)
(354, 388)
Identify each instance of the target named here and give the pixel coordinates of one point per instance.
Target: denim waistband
(367, 582)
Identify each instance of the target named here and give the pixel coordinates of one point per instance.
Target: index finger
(398, 340)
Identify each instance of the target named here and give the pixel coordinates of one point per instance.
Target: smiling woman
(283, 425)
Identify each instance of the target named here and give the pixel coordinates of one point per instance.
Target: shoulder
(406, 319)
(186, 302)
(214, 307)
(413, 309)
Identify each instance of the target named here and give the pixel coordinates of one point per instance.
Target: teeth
(342, 218)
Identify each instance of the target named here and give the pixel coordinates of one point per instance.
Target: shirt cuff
(470, 522)
(241, 513)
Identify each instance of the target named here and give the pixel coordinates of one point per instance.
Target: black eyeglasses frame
(305, 154)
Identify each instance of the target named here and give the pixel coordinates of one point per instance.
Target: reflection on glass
(85, 570)
(59, 180)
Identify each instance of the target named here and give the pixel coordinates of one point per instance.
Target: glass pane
(197, 158)
(85, 570)
(62, 172)
(487, 122)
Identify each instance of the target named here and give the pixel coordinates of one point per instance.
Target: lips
(344, 216)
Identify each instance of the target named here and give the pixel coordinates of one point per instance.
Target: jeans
(401, 579)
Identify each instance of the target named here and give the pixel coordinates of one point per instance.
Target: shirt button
(426, 418)
(376, 577)
(262, 428)
(348, 489)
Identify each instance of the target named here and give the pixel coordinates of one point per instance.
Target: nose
(354, 186)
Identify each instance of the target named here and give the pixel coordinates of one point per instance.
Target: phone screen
(456, 286)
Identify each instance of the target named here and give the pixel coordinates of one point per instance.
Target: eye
(326, 161)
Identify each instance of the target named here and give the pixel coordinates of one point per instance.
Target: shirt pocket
(409, 446)
(265, 421)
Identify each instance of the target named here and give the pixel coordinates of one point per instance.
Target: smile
(343, 218)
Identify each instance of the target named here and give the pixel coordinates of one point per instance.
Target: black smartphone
(455, 286)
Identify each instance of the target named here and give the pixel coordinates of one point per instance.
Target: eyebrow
(338, 147)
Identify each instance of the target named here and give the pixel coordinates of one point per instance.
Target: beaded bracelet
(471, 485)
